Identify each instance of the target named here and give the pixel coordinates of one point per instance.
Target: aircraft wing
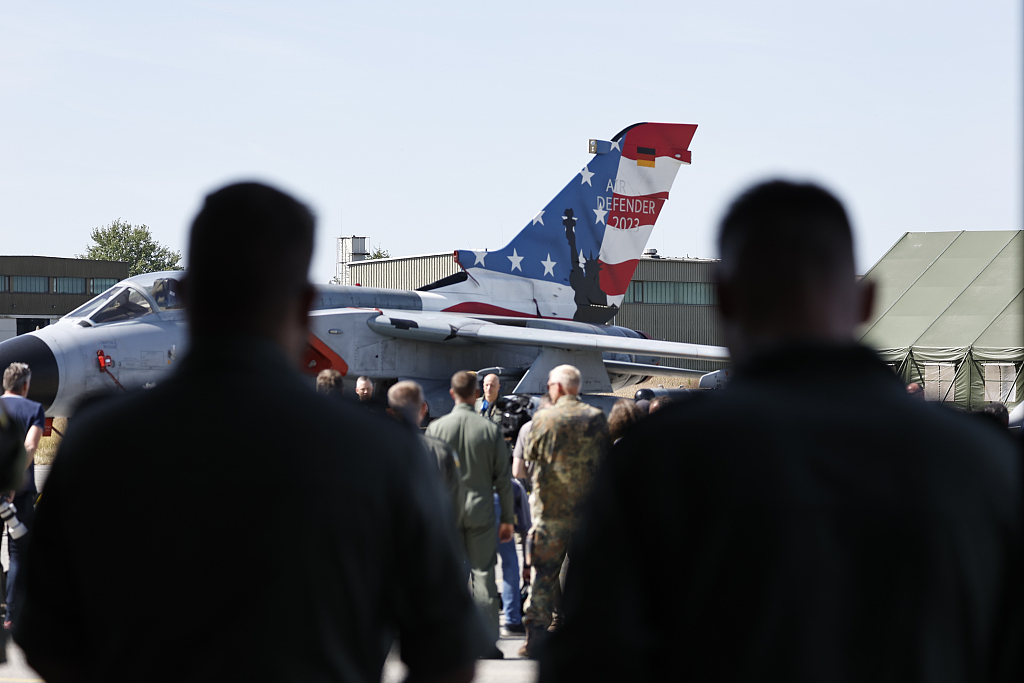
(450, 328)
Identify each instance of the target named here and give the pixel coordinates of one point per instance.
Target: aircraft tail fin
(591, 236)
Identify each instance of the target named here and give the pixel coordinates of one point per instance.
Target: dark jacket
(231, 524)
(451, 474)
(810, 522)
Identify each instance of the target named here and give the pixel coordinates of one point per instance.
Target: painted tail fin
(592, 234)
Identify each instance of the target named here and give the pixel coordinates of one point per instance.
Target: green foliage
(377, 253)
(133, 244)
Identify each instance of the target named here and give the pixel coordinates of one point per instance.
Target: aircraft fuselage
(78, 357)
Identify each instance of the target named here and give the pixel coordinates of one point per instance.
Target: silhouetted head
(999, 413)
(915, 390)
(787, 269)
(248, 264)
(624, 414)
(657, 403)
(330, 382)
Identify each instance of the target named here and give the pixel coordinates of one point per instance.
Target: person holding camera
(29, 416)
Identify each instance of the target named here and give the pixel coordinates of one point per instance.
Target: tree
(133, 244)
(378, 253)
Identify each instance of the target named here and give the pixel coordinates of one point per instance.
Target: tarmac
(508, 670)
(512, 669)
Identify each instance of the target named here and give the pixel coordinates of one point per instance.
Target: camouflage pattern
(546, 547)
(566, 443)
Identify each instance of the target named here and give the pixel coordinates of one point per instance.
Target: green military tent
(949, 313)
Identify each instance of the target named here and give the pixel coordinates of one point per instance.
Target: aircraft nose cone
(30, 349)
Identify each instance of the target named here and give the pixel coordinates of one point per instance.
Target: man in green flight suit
(566, 443)
(487, 405)
(484, 461)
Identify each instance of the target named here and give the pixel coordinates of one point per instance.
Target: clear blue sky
(430, 129)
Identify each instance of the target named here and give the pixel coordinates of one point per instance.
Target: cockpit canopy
(133, 298)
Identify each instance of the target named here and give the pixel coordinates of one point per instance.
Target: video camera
(515, 412)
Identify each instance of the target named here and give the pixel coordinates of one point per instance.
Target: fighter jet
(543, 300)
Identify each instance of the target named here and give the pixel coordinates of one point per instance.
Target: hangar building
(669, 298)
(949, 312)
(38, 290)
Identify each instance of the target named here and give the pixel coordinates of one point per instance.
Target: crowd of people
(812, 521)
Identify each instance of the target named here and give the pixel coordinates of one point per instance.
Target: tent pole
(952, 384)
(1013, 384)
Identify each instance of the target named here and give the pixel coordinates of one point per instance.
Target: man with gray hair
(31, 419)
(566, 443)
(405, 402)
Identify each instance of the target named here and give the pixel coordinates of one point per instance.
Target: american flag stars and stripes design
(610, 207)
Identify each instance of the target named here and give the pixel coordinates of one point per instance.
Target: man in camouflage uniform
(566, 443)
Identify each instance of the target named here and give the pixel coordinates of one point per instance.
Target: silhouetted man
(852, 535)
(175, 581)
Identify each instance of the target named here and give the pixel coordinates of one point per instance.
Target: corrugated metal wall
(679, 323)
(410, 272)
(674, 270)
(691, 324)
(675, 322)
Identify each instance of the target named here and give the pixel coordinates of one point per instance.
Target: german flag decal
(645, 156)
